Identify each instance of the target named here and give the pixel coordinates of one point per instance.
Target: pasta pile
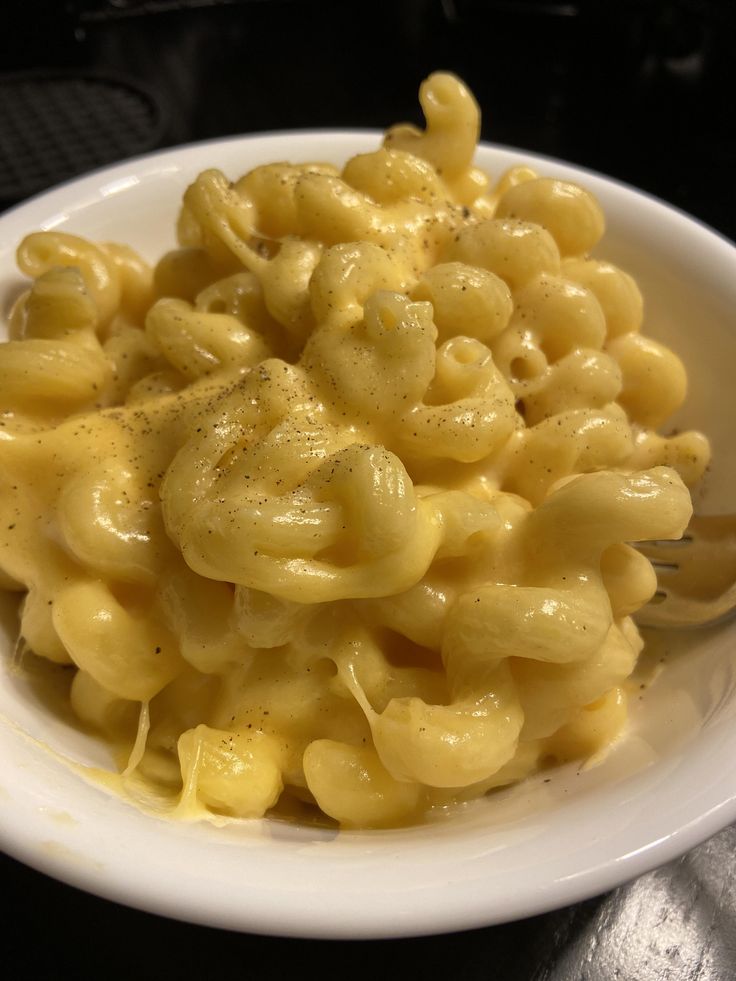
(332, 506)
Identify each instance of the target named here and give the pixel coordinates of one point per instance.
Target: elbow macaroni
(332, 506)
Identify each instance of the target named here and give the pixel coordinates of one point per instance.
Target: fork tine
(662, 553)
(696, 574)
(679, 612)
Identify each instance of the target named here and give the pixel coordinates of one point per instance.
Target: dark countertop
(639, 89)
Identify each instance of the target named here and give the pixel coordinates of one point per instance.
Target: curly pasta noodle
(332, 506)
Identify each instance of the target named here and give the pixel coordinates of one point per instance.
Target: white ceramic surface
(667, 786)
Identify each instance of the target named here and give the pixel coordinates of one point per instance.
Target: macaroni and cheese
(331, 508)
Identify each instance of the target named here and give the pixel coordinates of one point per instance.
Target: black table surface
(639, 89)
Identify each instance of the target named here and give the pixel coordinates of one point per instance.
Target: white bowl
(667, 786)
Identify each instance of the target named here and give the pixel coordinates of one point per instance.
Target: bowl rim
(357, 133)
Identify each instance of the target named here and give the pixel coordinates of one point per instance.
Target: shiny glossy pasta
(330, 509)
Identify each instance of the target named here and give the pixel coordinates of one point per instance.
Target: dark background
(639, 89)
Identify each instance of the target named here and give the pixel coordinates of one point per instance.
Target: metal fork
(696, 575)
